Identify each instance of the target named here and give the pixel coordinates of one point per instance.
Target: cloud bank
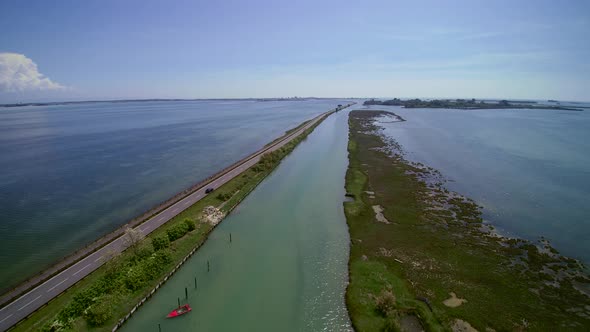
(19, 74)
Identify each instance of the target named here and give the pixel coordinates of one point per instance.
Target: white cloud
(19, 74)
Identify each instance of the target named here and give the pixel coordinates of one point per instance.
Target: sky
(81, 50)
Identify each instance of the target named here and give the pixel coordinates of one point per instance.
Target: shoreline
(434, 263)
(240, 187)
(468, 104)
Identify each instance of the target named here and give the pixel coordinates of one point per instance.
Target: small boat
(183, 309)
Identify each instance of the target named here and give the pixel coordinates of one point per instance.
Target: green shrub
(190, 224)
(153, 266)
(163, 257)
(385, 302)
(143, 252)
(135, 278)
(224, 196)
(160, 242)
(100, 312)
(177, 231)
(80, 302)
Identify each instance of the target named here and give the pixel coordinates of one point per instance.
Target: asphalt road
(26, 304)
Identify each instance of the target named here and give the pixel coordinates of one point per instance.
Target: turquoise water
(71, 173)
(530, 169)
(286, 267)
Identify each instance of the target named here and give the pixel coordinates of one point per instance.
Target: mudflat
(436, 260)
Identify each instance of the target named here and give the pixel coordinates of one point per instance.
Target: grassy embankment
(98, 301)
(288, 132)
(435, 244)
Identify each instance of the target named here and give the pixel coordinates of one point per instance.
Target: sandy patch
(462, 326)
(453, 301)
(385, 253)
(379, 214)
(212, 215)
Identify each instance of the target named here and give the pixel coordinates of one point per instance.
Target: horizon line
(47, 103)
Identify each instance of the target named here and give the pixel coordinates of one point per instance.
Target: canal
(285, 268)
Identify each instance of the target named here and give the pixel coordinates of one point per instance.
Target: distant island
(464, 104)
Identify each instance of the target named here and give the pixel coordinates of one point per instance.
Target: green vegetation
(123, 277)
(224, 196)
(98, 301)
(160, 242)
(463, 104)
(100, 311)
(434, 244)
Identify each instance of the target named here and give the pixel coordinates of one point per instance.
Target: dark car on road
(208, 190)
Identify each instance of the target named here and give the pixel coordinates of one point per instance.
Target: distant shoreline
(55, 103)
(470, 104)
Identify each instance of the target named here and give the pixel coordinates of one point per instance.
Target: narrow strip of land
(40, 295)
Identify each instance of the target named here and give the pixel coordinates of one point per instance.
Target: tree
(112, 265)
(131, 238)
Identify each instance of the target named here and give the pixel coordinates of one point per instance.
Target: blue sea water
(529, 169)
(71, 173)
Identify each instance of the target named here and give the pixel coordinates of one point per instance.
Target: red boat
(183, 309)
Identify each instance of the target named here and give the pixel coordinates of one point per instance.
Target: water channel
(286, 267)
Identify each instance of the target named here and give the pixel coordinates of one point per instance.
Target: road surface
(26, 304)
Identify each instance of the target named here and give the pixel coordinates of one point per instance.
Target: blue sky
(72, 50)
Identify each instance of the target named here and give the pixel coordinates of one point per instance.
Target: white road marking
(82, 269)
(174, 211)
(96, 260)
(61, 282)
(187, 203)
(5, 318)
(21, 308)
